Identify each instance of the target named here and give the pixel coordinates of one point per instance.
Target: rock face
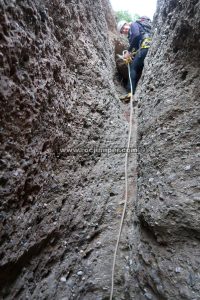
(63, 136)
(168, 202)
(60, 199)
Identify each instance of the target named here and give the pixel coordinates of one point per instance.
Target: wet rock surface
(168, 146)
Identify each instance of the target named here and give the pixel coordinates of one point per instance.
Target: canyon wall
(63, 136)
(168, 203)
(60, 198)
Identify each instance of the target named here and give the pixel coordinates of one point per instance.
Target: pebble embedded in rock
(187, 168)
(148, 296)
(63, 279)
(80, 273)
(178, 270)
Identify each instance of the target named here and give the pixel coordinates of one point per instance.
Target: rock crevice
(63, 136)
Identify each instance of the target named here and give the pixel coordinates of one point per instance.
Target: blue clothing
(138, 31)
(136, 69)
(134, 36)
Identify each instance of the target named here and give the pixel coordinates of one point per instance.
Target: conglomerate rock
(168, 205)
(62, 183)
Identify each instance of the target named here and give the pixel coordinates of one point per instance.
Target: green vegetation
(135, 17)
(126, 15)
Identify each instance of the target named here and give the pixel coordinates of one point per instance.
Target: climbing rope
(126, 183)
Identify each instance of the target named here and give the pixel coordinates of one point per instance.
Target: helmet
(145, 18)
(120, 25)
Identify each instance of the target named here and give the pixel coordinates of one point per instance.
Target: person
(139, 37)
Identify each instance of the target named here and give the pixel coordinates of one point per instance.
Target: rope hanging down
(126, 184)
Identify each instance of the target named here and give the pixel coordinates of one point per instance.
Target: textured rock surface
(60, 211)
(168, 184)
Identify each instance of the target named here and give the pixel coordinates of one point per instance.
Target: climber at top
(139, 37)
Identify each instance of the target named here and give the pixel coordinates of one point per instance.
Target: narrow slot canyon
(63, 137)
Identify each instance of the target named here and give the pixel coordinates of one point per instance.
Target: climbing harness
(128, 60)
(146, 43)
(126, 183)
